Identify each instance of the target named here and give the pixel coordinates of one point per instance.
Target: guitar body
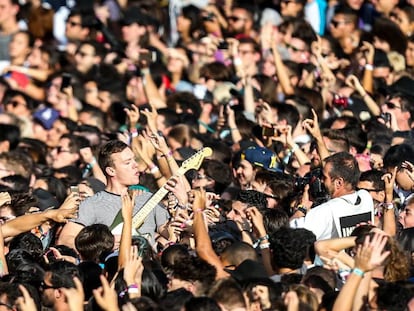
(194, 162)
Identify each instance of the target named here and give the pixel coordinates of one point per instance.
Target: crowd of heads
(302, 102)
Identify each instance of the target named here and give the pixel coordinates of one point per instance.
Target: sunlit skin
(406, 217)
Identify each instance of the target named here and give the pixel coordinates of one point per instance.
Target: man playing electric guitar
(117, 161)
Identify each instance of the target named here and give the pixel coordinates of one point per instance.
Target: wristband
(90, 165)
(264, 245)
(358, 272)
(260, 240)
(369, 67)
(145, 71)
(302, 209)
(294, 148)
(133, 132)
(133, 289)
(154, 169)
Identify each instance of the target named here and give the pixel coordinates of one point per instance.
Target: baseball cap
(46, 117)
(261, 157)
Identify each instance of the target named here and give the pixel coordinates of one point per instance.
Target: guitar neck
(194, 162)
(143, 213)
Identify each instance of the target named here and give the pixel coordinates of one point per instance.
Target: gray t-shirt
(102, 208)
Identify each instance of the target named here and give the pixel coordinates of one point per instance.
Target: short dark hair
(288, 249)
(344, 166)
(253, 198)
(398, 154)
(62, 274)
(374, 176)
(219, 172)
(111, 147)
(94, 242)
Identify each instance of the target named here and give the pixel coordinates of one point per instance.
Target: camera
(223, 45)
(386, 117)
(340, 101)
(317, 190)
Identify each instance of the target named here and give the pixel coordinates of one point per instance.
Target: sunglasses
(73, 24)
(294, 48)
(200, 176)
(336, 23)
(391, 105)
(44, 286)
(235, 18)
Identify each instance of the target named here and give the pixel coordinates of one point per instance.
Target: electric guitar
(194, 162)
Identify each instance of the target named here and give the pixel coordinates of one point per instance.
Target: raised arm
(202, 239)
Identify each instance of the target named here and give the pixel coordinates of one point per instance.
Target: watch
(387, 206)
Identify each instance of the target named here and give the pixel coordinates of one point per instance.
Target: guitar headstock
(195, 161)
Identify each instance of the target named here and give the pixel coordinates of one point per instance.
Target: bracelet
(90, 165)
(302, 209)
(358, 272)
(260, 240)
(234, 129)
(264, 245)
(369, 67)
(167, 155)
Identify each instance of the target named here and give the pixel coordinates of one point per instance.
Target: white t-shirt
(339, 216)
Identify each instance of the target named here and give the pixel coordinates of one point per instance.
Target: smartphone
(268, 131)
(74, 189)
(66, 80)
(148, 57)
(223, 45)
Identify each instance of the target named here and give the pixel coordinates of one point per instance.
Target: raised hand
(106, 296)
(312, 126)
(75, 296)
(26, 302)
(133, 268)
(371, 254)
(132, 116)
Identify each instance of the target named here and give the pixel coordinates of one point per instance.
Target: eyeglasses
(295, 49)
(15, 103)
(391, 105)
(7, 305)
(44, 286)
(72, 23)
(236, 18)
(60, 149)
(336, 23)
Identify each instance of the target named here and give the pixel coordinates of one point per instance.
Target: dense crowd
(206, 155)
